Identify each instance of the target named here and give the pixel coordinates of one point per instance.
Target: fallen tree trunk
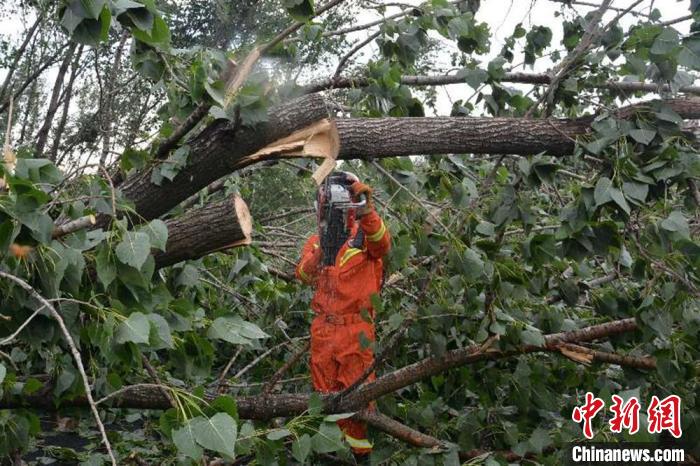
(517, 78)
(265, 407)
(213, 227)
(368, 138)
(223, 148)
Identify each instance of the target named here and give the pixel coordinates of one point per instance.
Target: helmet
(335, 209)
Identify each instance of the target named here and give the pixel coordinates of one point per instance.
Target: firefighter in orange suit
(343, 262)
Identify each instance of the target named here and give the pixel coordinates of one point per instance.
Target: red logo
(665, 415)
(587, 412)
(661, 415)
(626, 415)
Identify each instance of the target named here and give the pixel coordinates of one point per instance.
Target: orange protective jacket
(343, 290)
(346, 287)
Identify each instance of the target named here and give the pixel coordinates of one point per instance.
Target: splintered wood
(320, 140)
(239, 74)
(575, 354)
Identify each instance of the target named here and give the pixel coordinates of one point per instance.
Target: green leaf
(70, 20)
(474, 77)
(135, 329)
(189, 276)
(162, 336)
(3, 372)
(620, 200)
(676, 222)
(87, 8)
(301, 448)
(601, 194)
(539, 440)
(120, 6)
(532, 337)
(315, 404)
(93, 31)
(106, 270)
(141, 18)
(277, 434)
(158, 36)
(185, 442)
(643, 136)
(157, 232)
(235, 330)
(495, 68)
(338, 417)
(328, 438)
(635, 191)
(217, 433)
(666, 42)
(134, 249)
(690, 54)
(300, 10)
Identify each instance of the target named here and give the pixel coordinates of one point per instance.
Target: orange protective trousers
(342, 332)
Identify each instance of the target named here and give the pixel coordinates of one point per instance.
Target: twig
(74, 352)
(563, 69)
(417, 199)
(255, 361)
(285, 367)
(227, 368)
(345, 58)
(9, 339)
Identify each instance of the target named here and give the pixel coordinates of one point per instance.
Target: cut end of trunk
(244, 220)
(211, 228)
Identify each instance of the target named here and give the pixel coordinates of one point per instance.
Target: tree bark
(218, 151)
(68, 96)
(205, 230)
(108, 101)
(265, 407)
(43, 134)
(388, 137)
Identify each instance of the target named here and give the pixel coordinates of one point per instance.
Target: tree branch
(266, 407)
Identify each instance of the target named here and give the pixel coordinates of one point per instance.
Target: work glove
(358, 188)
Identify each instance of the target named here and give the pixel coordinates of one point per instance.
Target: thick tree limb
(213, 227)
(216, 152)
(43, 134)
(271, 406)
(513, 77)
(367, 137)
